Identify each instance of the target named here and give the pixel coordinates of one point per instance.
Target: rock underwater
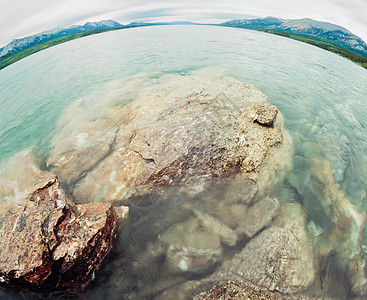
(50, 244)
(177, 130)
(234, 291)
(148, 135)
(279, 259)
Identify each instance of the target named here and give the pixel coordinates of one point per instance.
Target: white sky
(20, 18)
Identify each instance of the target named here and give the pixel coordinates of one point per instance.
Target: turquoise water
(311, 87)
(321, 95)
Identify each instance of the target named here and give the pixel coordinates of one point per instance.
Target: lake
(320, 95)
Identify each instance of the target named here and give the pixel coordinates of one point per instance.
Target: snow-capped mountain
(260, 23)
(321, 30)
(20, 44)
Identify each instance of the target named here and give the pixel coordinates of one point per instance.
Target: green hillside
(358, 59)
(14, 57)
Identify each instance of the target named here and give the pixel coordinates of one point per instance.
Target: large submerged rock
(178, 130)
(182, 132)
(19, 176)
(280, 258)
(49, 244)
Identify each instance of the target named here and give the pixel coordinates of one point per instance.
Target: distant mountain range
(20, 44)
(321, 30)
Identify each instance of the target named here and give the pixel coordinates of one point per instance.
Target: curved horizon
(27, 18)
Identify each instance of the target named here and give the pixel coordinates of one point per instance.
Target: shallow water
(320, 95)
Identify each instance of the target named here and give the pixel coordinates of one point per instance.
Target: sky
(21, 18)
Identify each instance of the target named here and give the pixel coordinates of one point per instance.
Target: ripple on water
(320, 95)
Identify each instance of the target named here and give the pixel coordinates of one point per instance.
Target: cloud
(19, 18)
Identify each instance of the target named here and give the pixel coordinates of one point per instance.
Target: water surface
(321, 95)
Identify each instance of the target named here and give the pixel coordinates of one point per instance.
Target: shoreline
(9, 59)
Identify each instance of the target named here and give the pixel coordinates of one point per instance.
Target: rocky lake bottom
(202, 164)
(243, 163)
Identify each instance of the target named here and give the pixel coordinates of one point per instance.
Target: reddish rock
(50, 244)
(235, 291)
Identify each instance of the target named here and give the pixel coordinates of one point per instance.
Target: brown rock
(280, 258)
(179, 130)
(226, 234)
(258, 216)
(263, 113)
(179, 291)
(50, 244)
(235, 291)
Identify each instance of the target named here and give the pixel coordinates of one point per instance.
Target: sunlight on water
(53, 104)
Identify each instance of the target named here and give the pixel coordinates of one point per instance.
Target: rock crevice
(185, 127)
(50, 244)
(187, 133)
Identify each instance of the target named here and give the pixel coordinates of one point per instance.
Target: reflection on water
(176, 239)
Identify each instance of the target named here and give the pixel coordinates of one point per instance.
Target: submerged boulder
(258, 216)
(280, 258)
(49, 244)
(177, 130)
(20, 176)
(191, 247)
(235, 291)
